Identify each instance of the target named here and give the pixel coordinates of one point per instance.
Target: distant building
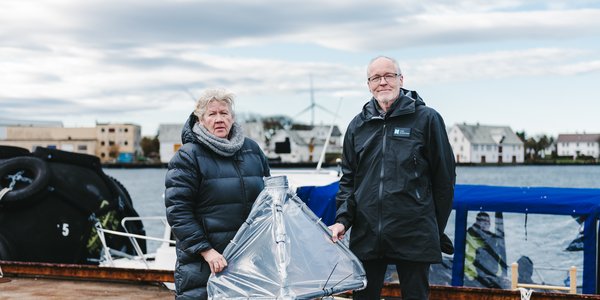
(304, 143)
(575, 145)
(485, 144)
(120, 142)
(169, 136)
(80, 140)
(109, 142)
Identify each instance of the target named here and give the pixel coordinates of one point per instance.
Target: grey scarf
(223, 147)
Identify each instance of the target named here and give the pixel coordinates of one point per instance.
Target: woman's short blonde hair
(214, 94)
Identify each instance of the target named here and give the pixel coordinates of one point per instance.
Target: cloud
(504, 64)
(340, 25)
(126, 58)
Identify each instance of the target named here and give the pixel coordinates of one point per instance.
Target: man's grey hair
(214, 94)
(395, 62)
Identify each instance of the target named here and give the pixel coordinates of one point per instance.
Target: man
(485, 264)
(397, 186)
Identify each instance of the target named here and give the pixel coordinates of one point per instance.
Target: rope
(525, 293)
(13, 181)
(4, 191)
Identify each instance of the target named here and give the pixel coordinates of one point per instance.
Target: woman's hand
(215, 260)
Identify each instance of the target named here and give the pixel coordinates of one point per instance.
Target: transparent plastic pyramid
(284, 251)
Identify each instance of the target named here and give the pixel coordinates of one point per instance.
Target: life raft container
(56, 199)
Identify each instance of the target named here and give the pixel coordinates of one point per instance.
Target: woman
(211, 184)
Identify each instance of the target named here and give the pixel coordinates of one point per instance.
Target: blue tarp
(527, 200)
(321, 200)
(542, 200)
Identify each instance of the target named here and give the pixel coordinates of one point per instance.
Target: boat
(54, 208)
(518, 211)
(51, 202)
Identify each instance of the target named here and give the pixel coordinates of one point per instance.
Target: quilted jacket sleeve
(182, 183)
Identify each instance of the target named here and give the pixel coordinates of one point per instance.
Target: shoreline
(278, 165)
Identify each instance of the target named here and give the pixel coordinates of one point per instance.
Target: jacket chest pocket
(405, 148)
(406, 164)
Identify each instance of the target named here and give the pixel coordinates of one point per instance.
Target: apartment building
(118, 141)
(109, 142)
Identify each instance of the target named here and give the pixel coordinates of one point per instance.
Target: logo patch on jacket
(401, 132)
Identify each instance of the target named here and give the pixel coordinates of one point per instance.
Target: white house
(304, 143)
(578, 144)
(485, 144)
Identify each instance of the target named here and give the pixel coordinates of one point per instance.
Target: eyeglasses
(387, 77)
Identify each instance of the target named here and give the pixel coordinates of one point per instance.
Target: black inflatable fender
(34, 169)
(11, 151)
(6, 249)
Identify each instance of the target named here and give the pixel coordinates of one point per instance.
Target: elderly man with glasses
(397, 186)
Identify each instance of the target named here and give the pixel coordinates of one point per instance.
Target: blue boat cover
(541, 200)
(321, 200)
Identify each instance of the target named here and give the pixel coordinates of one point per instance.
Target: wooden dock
(49, 288)
(25, 280)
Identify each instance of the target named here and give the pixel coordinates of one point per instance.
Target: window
(82, 147)
(111, 143)
(111, 130)
(126, 143)
(102, 143)
(103, 155)
(126, 129)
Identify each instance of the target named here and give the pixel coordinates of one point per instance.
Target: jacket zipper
(237, 169)
(380, 202)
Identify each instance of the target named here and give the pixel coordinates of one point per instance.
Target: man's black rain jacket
(398, 181)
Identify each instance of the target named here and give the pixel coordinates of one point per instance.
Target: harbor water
(542, 238)
(147, 186)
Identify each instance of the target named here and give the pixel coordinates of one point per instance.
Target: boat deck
(47, 288)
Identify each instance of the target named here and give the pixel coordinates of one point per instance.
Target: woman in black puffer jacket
(211, 184)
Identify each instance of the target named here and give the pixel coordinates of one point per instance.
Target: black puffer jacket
(398, 184)
(208, 197)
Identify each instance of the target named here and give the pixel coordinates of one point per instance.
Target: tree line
(539, 147)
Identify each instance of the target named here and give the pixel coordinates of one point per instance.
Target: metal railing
(165, 240)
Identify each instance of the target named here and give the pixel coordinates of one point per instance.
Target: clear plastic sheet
(284, 251)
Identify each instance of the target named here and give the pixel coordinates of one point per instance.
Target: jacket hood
(187, 135)
(406, 103)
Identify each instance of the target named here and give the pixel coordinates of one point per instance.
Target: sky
(529, 64)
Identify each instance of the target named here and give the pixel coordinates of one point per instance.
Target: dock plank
(48, 288)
